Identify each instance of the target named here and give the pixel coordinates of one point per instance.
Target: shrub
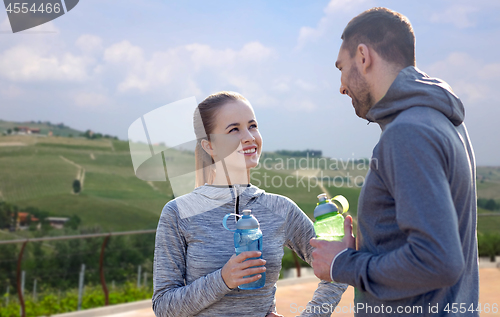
(488, 245)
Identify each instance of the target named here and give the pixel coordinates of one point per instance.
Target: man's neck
(387, 74)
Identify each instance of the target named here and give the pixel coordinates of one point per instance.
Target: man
(416, 237)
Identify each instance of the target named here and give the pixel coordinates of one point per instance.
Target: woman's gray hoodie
(192, 246)
(417, 248)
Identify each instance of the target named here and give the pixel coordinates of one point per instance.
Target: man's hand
(325, 251)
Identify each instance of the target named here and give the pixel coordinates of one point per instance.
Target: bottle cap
(322, 197)
(324, 206)
(247, 221)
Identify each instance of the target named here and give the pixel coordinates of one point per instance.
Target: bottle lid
(322, 197)
(247, 221)
(324, 206)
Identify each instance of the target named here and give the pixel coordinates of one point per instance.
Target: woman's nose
(247, 137)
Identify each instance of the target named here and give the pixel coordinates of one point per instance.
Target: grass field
(40, 174)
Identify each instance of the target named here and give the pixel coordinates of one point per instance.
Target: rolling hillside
(39, 172)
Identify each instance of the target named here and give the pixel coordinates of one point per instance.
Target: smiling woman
(196, 271)
(228, 139)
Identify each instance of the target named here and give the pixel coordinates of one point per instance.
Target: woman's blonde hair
(204, 121)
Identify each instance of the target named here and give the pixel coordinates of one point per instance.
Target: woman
(195, 270)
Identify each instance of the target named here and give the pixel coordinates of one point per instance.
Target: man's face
(353, 84)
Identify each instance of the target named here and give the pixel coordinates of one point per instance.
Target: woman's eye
(233, 129)
(253, 126)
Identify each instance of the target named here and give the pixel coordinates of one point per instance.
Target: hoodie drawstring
(237, 203)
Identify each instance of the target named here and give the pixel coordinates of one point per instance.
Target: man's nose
(343, 91)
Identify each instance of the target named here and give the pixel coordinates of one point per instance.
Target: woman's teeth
(249, 151)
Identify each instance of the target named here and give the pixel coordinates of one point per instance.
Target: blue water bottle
(247, 237)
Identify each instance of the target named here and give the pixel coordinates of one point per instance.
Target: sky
(106, 63)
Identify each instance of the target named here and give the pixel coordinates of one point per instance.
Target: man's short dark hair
(388, 32)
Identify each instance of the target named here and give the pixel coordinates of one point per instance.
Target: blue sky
(105, 63)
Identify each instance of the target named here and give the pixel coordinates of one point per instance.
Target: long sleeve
(413, 168)
(172, 297)
(300, 230)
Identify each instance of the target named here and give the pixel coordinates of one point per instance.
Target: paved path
(292, 297)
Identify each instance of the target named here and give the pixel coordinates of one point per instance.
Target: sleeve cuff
(220, 284)
(331, 266)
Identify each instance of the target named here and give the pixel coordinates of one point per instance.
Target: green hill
(39, 172)
(58, 129)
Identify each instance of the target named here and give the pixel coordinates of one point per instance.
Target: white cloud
(205, 56)
(11, 91)
(334, 10)
(5, 26)
(180, 65)
(123, 52)
(89, 43)
(91, 99)
(26, 63)
(472, 79)
(458, 15)
(305, 85)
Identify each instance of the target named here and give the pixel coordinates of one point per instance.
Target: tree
(76, 186)
(491, 205)
(73, 222)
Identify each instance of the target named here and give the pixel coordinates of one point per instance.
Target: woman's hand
(234, 270)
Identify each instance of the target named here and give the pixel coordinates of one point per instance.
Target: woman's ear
(207, 147)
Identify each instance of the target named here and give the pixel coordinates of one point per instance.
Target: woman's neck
(232, 177)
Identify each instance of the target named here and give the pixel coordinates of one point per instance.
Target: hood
(414, 88)
(208, 197)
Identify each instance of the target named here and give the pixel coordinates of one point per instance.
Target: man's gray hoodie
(417, 248)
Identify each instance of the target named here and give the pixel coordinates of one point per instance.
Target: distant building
(57, 222)
(23, 220)
(27, 130)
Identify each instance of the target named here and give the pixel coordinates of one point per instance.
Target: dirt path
(12, 144)
(80, 174)
(150, 183)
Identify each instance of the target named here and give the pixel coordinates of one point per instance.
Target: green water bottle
(329, 223)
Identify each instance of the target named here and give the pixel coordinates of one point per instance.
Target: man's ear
(364, 58)
(207, 147)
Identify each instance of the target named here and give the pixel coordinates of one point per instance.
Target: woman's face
(236, 137)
